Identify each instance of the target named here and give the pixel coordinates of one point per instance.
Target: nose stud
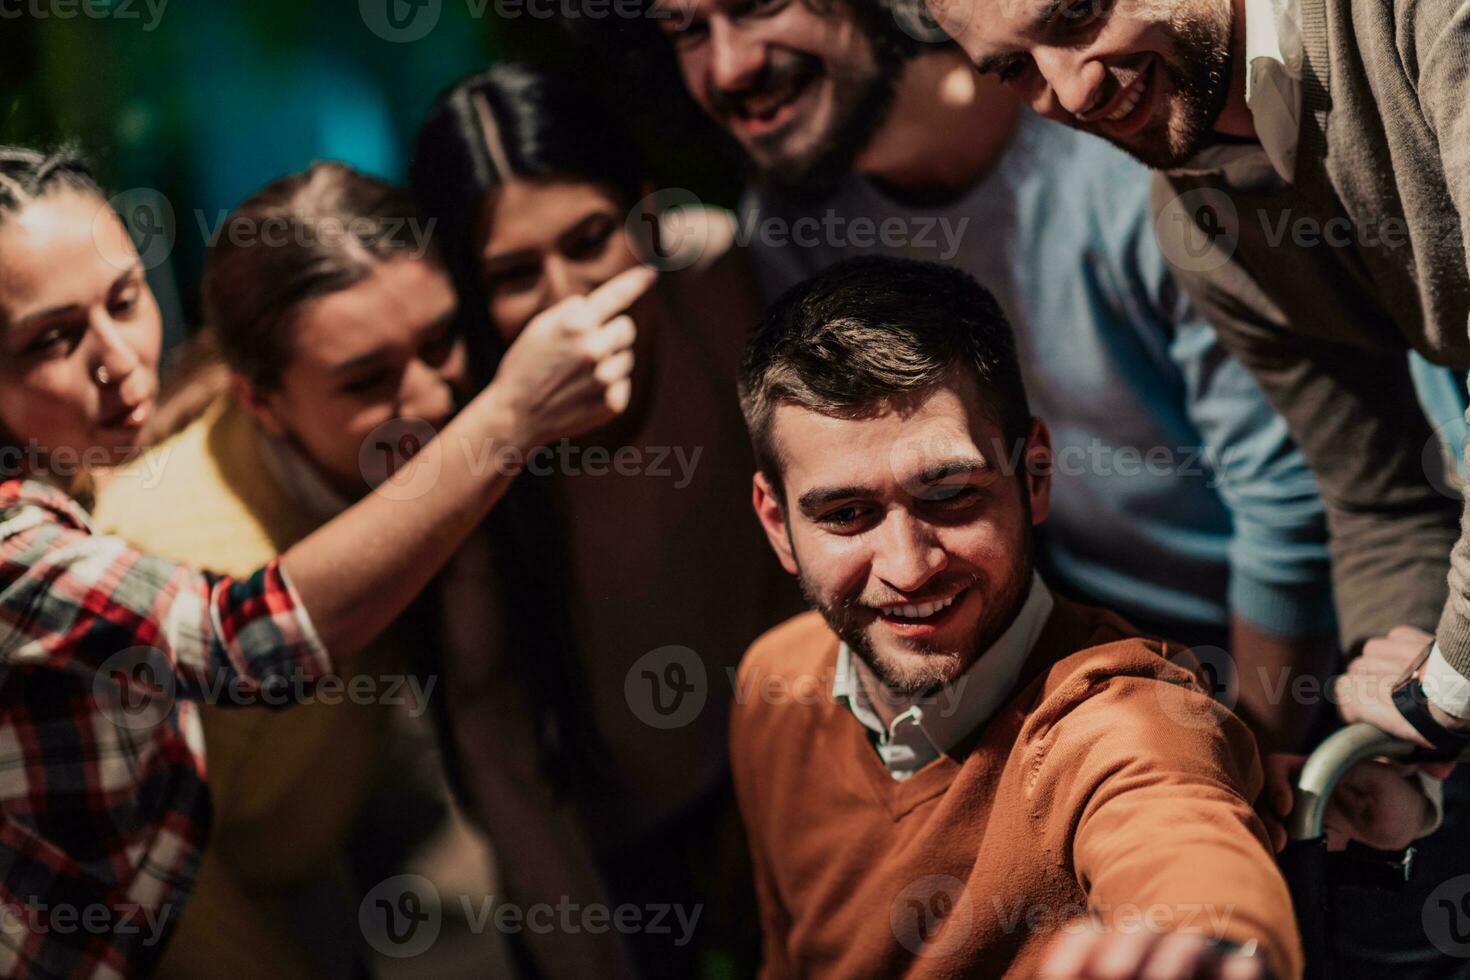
(102, 375)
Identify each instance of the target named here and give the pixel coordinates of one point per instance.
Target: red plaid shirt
(102, 780)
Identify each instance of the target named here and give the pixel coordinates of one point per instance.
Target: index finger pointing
(619, 292)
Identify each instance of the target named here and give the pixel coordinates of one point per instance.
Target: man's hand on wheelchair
(1378, 804)
(1087, 951)
(1365, 691)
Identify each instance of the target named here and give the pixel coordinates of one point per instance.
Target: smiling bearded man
(992, 760)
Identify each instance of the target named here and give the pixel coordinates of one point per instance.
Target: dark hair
(517, 122)
(868, 329)
(27, 174)
(299, 237)
(513, 122)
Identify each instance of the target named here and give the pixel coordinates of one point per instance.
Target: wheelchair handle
(1327, 765)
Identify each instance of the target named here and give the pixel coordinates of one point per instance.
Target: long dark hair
(516, 122)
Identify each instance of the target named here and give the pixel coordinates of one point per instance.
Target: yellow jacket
(286, 784)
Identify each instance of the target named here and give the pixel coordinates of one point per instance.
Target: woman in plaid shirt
(103, 805)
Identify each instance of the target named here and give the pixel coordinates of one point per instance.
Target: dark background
(203, 102)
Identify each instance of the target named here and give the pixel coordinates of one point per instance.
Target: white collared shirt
(1273, 93)
(933, 723)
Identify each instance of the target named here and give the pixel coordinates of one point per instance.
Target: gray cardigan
(1321, 288)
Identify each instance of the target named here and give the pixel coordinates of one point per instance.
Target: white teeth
(923, 610)
(1129, 101)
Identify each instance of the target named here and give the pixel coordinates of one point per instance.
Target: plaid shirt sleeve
(73, 599)
(104, 809)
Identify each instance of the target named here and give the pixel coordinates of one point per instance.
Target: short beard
(815, 175)
(941, 666)
(1202, 83)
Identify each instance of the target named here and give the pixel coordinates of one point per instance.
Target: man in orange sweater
(946, 770)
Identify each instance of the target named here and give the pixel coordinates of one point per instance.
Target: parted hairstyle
(866, 330)
(302, 236)
(27, 174)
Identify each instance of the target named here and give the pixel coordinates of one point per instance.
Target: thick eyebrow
(494, 263)
(956, 467)
(57, 312)
(580, 228)
(992, 64)
(815, 498)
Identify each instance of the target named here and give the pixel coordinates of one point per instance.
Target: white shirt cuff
(1446, 687)
(1434, 790)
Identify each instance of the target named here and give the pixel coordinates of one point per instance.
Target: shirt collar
(1273, 94)
(947, 715)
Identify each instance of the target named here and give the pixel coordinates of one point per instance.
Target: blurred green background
(204, 102)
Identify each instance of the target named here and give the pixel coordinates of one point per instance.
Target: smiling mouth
(1126, 101)
(762, 110)
(918, 612)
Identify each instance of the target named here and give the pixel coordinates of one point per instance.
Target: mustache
(781, 67)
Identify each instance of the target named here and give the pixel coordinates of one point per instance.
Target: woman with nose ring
(105, 650)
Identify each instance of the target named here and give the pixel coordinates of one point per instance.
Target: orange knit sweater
(1109, 783)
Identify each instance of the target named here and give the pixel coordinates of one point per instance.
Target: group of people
(993, 580)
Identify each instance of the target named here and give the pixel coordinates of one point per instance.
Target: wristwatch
(1413, 704)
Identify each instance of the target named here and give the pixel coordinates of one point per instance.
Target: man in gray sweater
(1313, 198)
(1316, 178)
